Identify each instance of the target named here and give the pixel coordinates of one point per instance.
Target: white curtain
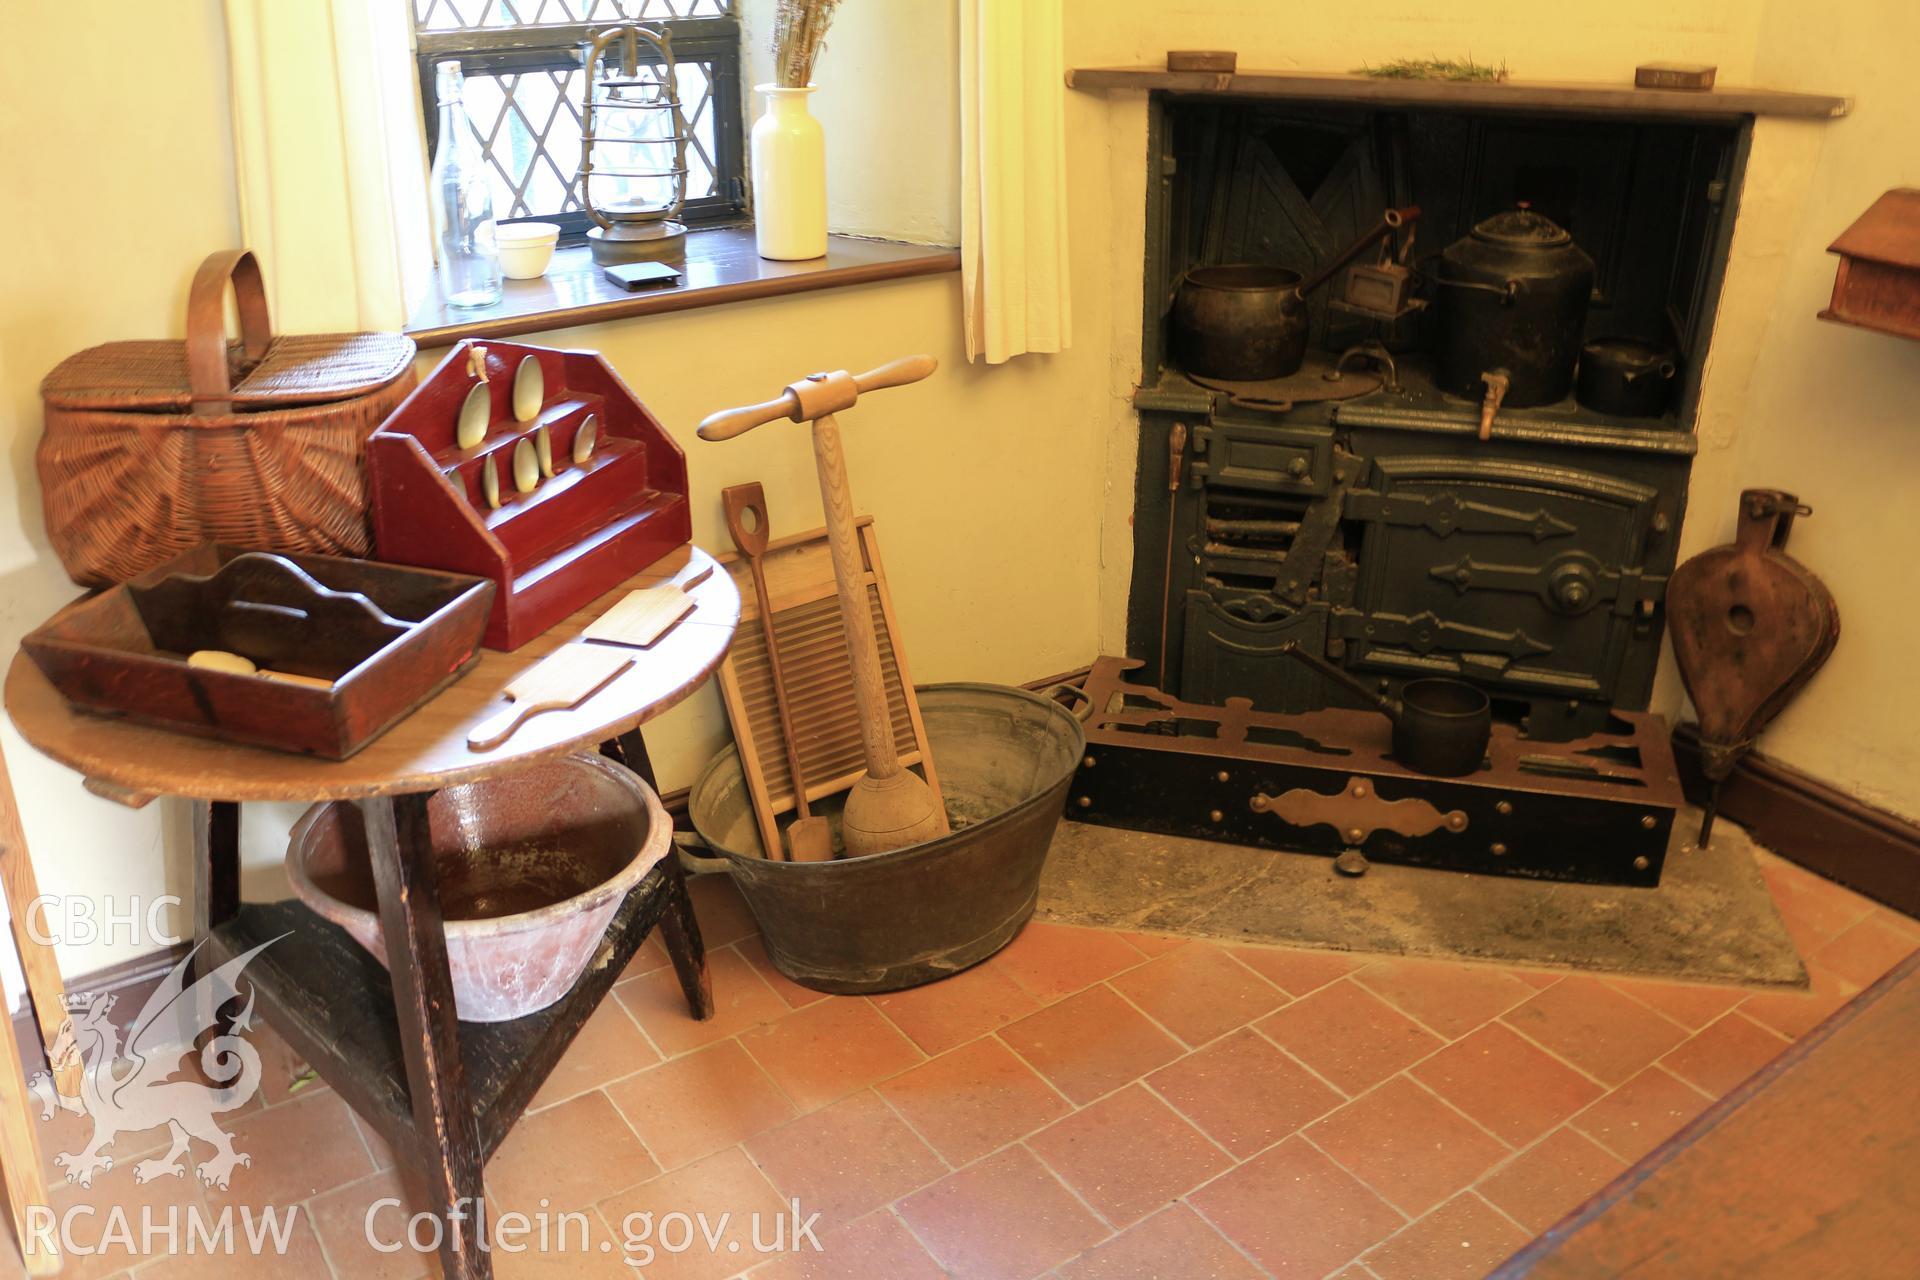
(330, 155)
(1013, 217)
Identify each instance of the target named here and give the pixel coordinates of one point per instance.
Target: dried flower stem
(799, 33)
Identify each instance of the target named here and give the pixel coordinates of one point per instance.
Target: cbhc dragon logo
(130, 1088)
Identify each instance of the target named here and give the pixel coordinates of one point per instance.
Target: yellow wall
(1827, 411)
(119, 179)
(1004, 496)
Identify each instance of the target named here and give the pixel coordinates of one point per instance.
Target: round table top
(425, 751)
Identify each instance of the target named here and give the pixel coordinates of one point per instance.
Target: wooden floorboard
(1811, 1168)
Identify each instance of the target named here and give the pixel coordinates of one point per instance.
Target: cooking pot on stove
(1513, 301)
(1625, 376)
(1247, 321)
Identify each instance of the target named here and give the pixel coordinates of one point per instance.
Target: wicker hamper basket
(155, 447)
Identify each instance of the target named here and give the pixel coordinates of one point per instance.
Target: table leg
(216, 864)
(37, 961)
(681, 932)
(401, 851)
(19, 1149)
(630, 749)
(678, 928)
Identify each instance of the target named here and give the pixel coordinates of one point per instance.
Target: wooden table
(444, 1093)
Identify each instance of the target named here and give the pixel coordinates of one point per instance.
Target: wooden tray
(813, 650)
(388, 638)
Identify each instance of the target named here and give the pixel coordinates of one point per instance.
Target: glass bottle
(463, 202)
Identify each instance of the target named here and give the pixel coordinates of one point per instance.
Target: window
(521, 59)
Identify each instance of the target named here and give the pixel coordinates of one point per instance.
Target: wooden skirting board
(1814, 823)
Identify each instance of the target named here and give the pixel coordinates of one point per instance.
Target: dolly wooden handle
(849, 572)
(728, 423)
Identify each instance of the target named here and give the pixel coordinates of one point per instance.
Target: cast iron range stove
(1367, 511)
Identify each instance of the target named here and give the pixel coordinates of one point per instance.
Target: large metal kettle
(1513, 302)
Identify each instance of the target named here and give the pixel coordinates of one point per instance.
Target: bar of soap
(221, 660)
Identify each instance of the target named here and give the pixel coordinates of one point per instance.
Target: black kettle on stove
(1512, 306)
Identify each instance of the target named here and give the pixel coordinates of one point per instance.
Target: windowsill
(721, 267)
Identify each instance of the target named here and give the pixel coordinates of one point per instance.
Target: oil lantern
(633, 147)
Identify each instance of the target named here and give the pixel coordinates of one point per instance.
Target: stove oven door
(1519, 576)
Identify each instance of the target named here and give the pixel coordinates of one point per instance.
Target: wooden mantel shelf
(1473, 95)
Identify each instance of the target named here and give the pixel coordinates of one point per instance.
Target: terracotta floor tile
(1444, 996)
(651, 955)
(1548, 1180)
(1538, 979)
(846, 1159)
(91, 1207)
(1198, 992)
(1296, 971)
(1691, 1004)
(1587, 1022)
(1091, 1043)
(876, 1247)
(299, 1149)
(1407, 1145)
(1725, 1053)
(1506, 1083)
(1794, 1013)
(1128, 1154)
(1639, 1115)
(375, 1144)
(1155, 944)
(1176, 1242)
(1296, 1212)
(723, 914)
(952, 1011)
(1349, 1035)
(340, 1219)
(699, 1103)
(1461, 1240)
(828, 1050)
(724, 1183)
(797, 996)
(1898, 922)
(303, 1260)
(1814, 908)
(589, 1251)
(610, 1045)
(1866, 950)
(573, 1155)
(973, 1100)
(1031, 1222)
(1056, 960)
(1244, 1093)
(740, 1000)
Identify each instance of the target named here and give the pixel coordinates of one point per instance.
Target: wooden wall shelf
(1587, 97)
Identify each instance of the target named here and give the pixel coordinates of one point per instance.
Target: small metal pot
(1626, 377)
(1441, 726)
(1513, 300)
(1244, 322)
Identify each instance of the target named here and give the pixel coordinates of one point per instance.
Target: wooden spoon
(809, 838)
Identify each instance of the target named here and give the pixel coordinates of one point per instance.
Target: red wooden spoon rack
(580, 532)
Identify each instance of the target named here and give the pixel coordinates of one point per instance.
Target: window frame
(558, 46)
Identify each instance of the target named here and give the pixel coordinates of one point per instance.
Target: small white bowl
(526, 248)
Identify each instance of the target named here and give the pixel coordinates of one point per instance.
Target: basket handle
(207, 375)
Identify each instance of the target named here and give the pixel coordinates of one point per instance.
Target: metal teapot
(1513, 302)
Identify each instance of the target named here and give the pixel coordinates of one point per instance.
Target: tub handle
(697, 857)
(1084, 711)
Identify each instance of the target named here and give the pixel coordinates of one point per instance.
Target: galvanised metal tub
(1005, 759)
